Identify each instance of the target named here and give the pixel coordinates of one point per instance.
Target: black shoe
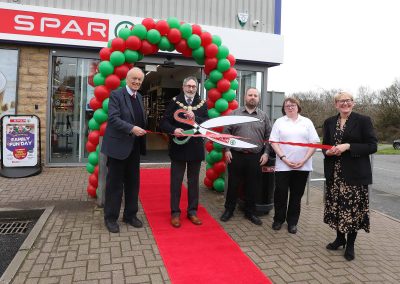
(226, 216)
(292, 229)
(349, 253)
(134, 222)
(336, 244)
(112, 226)
(254, 219)
(276, 226)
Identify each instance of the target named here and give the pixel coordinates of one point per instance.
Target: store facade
(58, 55)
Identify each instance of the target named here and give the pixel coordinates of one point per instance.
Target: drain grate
(13, 227)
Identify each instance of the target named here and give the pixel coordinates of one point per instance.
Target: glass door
(71, 89)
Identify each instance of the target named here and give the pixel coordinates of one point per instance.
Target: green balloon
(199, 61)
(106, 68)
(213, 113)
(215, 76)
(93, 125)
(124, 33)
(217, 40)
(165, 44)
(209, 159)
(93, 158)
(221, 105)
(98, 148)
(140, 56)
(223, 65)
(208, 166)
(234, 84)
(131, 56)
(109, 43)
(140, 31)
(229, 95)
(217, 155)
(223, 52)
(198, 53)
(117, 58)
(208, 84)
(153, 36)
(219, 184)
(186, 30)
(98, 79)
(171, 48)
(123, 83)
(90, 168)
(194, 41)
(105, 105)
(173, 23)
(217, 146)
(100, 116)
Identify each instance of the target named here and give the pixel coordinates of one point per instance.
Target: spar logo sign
(122, 25)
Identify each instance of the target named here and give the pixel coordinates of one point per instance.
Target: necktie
(189, 101)
(134, 95)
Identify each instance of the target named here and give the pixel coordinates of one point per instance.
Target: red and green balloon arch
(146, 38)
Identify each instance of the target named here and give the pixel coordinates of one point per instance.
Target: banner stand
(20, 146)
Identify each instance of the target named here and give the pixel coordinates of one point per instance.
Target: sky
(338, 44)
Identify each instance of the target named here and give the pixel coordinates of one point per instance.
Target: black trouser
(295, 182)
(122, 178)
(177, 172)
(244, 170)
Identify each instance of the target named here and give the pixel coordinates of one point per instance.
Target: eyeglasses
(346, 101)
(290, 106)
(191, 86)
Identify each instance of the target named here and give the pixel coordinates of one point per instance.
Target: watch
(281, 157)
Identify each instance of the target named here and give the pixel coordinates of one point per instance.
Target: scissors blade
(226, 141)
(227, 120)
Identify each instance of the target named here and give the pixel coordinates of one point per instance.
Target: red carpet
(193, 254)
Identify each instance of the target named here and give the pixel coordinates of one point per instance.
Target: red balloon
(174, 35)
(233, 105)
(118, 44)
(90, 147)
(183, 48)
(211, 63)
(162, 27)
(227, 112)
(208, 182)
(105, 53)
(210, 104)
(121, 71)
(133, 43)
(148, 48)
(102, 129)
(209, 146)
(95, 103)
(96, 170)
(149, 23)
(211, 50)
(214, 94)
(101, 93)
(112, 82)
(93, 181)
(129, 65)
(218, 129)
(211, 174)
(231, 59)
(94, 137)
(223, 85)
(196, 30)
(207, 70)
(91, 191)
(219, 167)
(230, 74)
(206, 38)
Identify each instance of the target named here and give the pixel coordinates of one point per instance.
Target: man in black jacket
(185, 155)
(122, 144)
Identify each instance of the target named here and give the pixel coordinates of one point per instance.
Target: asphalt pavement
(385, 190)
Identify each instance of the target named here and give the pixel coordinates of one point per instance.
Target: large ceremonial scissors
(217, 137)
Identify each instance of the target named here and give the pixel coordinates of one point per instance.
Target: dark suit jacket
(359, 133)
(193, 150)
(118, 141)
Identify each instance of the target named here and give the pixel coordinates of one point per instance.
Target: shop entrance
(161, 84)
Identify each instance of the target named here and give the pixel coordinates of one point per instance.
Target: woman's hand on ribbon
(178, 132)
(338, 149)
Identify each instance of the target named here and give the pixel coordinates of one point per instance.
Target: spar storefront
(51, 56)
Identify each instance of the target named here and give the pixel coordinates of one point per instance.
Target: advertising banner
(20, 141)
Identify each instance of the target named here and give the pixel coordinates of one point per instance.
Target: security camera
(256, 23)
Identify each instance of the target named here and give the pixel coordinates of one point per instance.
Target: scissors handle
(186, 139)
(181, 119)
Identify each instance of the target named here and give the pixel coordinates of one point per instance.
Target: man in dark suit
(123, 143)
(185, 155)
